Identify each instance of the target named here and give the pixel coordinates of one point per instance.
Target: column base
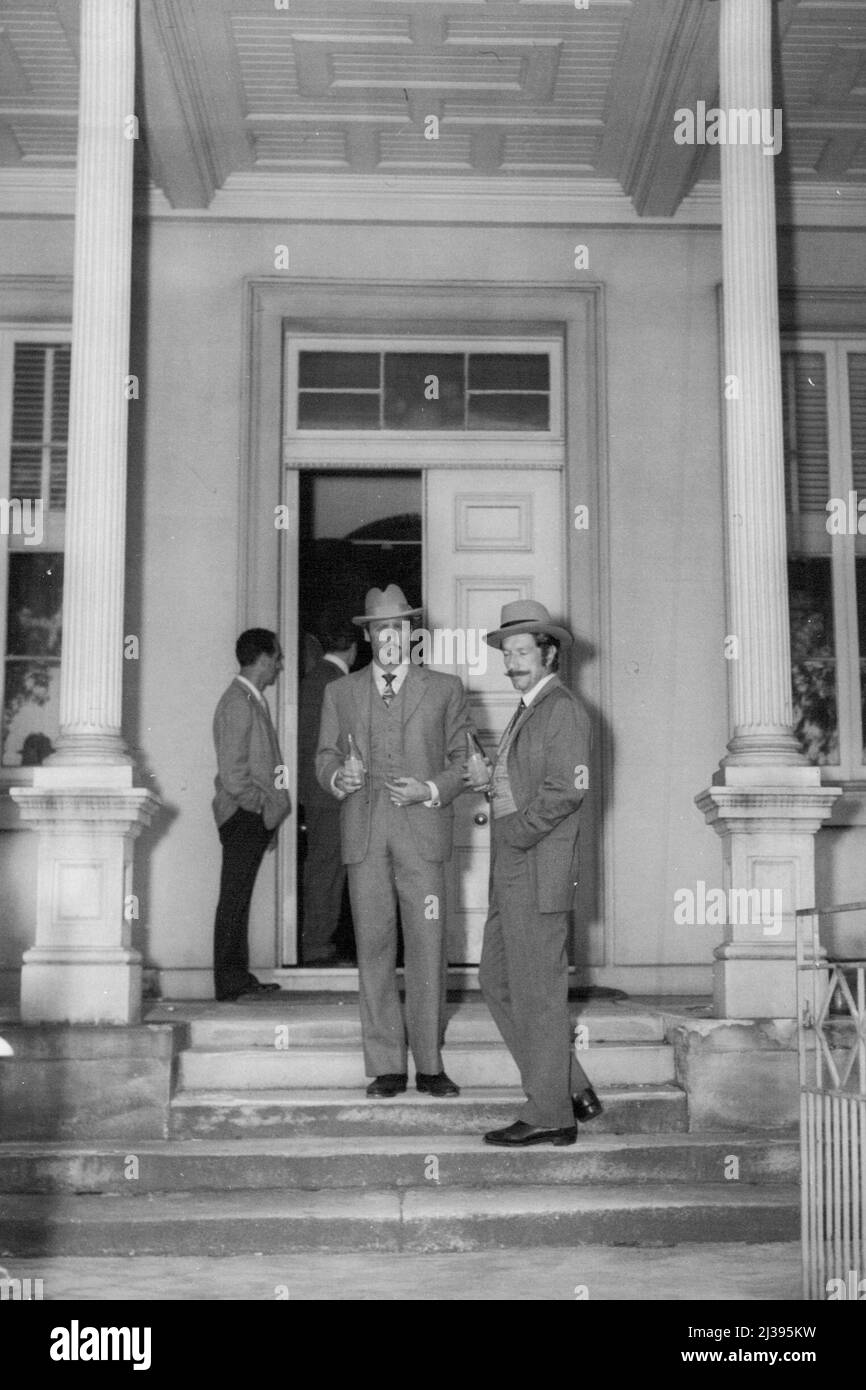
(768, 833)
(81, 987)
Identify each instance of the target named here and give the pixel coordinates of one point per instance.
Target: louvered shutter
(807, 455)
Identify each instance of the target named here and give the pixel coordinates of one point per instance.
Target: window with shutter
(824, 416)
(34, 422)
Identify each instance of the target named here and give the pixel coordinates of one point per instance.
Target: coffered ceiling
(505, 94)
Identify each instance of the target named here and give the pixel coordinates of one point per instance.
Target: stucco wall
(659, 629)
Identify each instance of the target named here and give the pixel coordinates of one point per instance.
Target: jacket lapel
(413, 691)
(539, 699)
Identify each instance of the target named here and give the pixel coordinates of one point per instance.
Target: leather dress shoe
(520, 1135)
(586, 1106)
(392, 1083)
(436, 1085)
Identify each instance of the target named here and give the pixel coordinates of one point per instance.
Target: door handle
(480, 818)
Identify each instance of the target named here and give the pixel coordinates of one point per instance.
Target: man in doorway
(409, 726)
(536, 788)
(324, 873)
(249, 805)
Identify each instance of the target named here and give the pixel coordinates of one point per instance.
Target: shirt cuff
(434, 801)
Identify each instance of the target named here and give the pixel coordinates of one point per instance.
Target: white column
(83, 805)
(767, 802)
(90, 685)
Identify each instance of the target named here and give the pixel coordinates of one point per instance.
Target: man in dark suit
(249, 804)
(409, 725)
(537, 785)
(324, 873)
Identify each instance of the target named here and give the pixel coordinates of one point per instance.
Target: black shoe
(254, 986)
(392, 1083)
(520, 1135)
(586, 1106)
(437, 1085)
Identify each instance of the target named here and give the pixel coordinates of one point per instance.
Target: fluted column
(766, 802)
(83, 966)
(760, 670)
(90, 682)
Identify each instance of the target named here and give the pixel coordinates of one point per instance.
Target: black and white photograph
(433, 641)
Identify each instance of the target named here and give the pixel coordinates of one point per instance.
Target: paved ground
(674, 1273)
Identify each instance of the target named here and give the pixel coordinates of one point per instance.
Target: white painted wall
(660, 639)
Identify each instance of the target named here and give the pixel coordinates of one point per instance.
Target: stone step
(418, 1219)
(314, 1067)
(326, 1113)
(267, 1025)
(445, 1160)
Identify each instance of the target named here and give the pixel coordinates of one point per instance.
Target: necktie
(388, 692)
(503, 742)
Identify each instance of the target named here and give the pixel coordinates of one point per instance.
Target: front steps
(273, 1146)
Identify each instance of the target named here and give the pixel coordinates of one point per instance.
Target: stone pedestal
(81, 968)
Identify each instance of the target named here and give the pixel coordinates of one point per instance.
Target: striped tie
(388, 692)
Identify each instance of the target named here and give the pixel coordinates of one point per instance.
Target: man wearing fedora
(409, 725)
(535, 793)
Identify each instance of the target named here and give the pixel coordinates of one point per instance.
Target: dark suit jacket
(248, 759)
(551, 741)
(310, 697)
(435, 720)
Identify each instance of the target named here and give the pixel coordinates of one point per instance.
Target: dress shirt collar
(249, 685)
(537, 689)
(337, 661)
(399, 674)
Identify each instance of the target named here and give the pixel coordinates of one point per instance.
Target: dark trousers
(323, 881)
(524, 979)
(244, 840)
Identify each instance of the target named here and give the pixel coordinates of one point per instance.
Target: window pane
(509, 371)
(512, 412)
(60, 400)
(408, 385)
(327, 410)
(346, 369)
(804, 405)
(25, 472)
(813, 659)
(860, 578)
(35, 599)
(28, 395)
(58, 478)
(31, 711)
(857, 394)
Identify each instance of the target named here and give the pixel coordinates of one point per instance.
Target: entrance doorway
(357, 530)
(460, 542)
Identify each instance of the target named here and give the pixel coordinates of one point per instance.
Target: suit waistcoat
(502, 801)
(387, 752)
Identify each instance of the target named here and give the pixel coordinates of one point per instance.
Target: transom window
(479, 387)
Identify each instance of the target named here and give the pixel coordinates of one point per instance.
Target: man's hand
(405, 791)
(348, 782)
(475, 786)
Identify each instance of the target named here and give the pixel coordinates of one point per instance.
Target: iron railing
(831, 1012)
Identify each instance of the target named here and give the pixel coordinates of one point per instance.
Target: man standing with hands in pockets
(536, 788)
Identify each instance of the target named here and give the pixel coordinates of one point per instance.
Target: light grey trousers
(393, 872)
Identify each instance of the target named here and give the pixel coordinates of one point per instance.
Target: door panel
(490, 537)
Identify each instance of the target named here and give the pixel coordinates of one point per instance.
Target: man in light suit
(249, 805)
(324, 871)
(409, 725)
(536, 788)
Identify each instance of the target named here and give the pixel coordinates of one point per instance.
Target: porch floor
(724, 1272)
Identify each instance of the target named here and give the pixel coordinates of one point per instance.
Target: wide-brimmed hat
(525, 615)
(384, 605)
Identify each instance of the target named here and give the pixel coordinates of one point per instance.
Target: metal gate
(831, 1011)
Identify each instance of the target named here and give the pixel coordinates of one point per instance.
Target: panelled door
(490, 536)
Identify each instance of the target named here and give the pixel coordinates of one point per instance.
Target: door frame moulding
(412, 308)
